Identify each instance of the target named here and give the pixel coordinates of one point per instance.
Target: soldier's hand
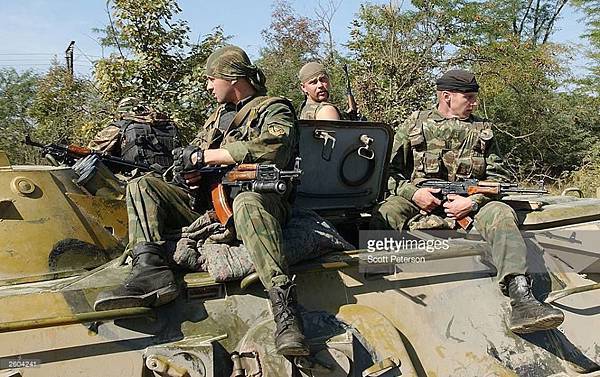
(425, 199)
(187, 159)
(457, 207)
(192, 179)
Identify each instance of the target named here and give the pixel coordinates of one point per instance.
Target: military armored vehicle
(60, 246)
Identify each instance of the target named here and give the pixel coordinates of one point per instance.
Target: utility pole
(69, 57)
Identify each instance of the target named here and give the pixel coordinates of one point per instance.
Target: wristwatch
(474, 206)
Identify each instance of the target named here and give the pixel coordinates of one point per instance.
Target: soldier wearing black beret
(448, 142)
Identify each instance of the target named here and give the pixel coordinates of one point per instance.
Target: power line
(84, 54)
(26, 53)
(40, 53)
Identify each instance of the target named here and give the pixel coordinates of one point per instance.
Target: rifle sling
(243, 113)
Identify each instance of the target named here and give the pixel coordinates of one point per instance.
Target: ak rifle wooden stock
(470, 187)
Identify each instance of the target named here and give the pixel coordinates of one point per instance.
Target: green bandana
(231, 63)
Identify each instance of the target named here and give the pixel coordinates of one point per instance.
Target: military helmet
(128, 105)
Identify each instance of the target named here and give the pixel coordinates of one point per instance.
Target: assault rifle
(251, 177)
(469, 187)
(352, 107)
(68, 154)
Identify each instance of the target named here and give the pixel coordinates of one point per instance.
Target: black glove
(182, 159)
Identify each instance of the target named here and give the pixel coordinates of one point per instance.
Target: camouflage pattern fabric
(127, 105)
(230, 63)
(429, 146)
(109, 138)
(311, 108)
(156, 208)
(267, 135)
(106, 140)
(306, 236)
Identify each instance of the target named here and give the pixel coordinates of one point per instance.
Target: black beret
(457, 80)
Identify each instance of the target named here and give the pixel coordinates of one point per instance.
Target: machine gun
(251, 177)
(68, 154)
(469, 187)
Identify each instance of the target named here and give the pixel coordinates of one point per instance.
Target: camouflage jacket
(266, 132)
(427, 145)
(311, 108)
(107, 140)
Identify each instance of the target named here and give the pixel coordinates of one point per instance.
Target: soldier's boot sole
(158, 297)
(546, 322)
(293, 349)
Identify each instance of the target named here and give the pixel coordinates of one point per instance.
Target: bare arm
(327, 113)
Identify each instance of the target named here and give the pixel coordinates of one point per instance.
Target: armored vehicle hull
(445, 317)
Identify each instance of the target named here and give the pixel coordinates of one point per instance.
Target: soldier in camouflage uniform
(247, 127)
(139, 134)
(450, 143)
(108, 139)
(314, 83)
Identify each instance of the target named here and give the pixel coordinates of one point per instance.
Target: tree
(394, 55)
(16, 95)
(156, 62)
(65, 108)
(591, 8)
(291, 41)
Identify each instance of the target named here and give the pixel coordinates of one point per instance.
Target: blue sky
(35, 31)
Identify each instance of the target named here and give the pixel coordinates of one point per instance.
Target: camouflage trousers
(495, 221)
(156, 208)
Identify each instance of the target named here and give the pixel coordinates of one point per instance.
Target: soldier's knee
(146, 185)
(396, 205)
(393, 213)
(497, 211)
(247, 198)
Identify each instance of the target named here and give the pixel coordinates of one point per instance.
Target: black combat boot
(150, 282)
(528, 314)
(289, 340)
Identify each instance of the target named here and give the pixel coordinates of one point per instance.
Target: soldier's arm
(401, 163)
(327, 112)
(495, 170)
(218, 157)
(275, 142)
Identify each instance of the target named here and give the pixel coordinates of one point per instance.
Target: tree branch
(557, 9)
(112, 27)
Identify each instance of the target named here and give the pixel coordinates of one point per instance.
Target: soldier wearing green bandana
(247, 127)
(448, 142)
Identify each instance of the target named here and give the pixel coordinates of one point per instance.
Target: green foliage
(291, 41)
(16, 95)
(394, 55)
(157, 63)
(536, 125)
(66, 108)
(591, 9)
